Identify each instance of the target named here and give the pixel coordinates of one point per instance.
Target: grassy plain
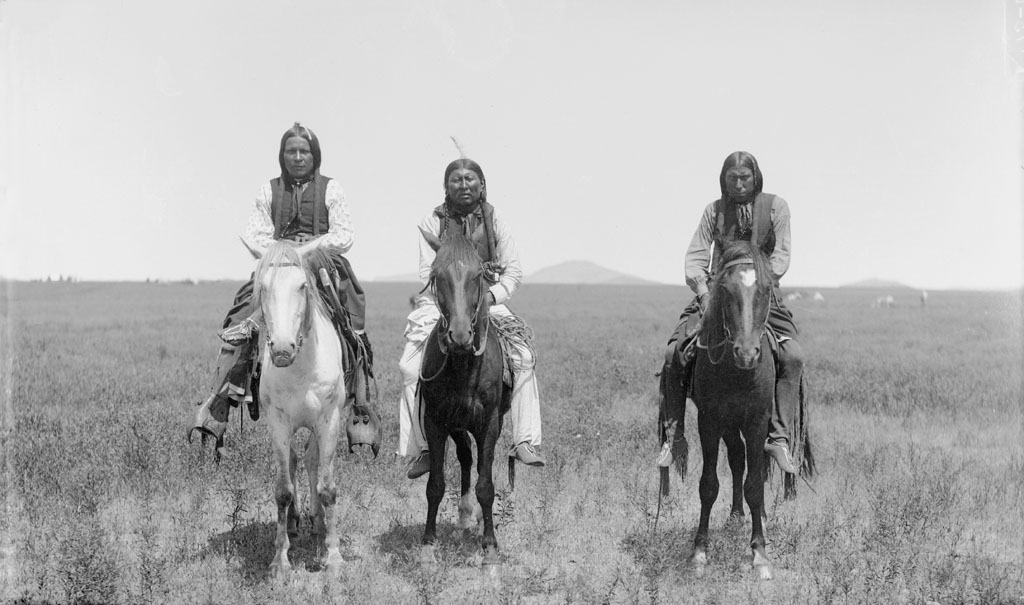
(916, 415)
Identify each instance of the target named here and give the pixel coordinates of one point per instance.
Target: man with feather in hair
(466, 206)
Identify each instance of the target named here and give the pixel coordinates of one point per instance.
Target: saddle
(686, 351)
(363, 426)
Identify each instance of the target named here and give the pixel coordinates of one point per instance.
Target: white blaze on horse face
(284, 308)
(748, 277)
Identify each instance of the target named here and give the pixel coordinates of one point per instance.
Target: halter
(445, 322)
(725, 326)
(307, 316)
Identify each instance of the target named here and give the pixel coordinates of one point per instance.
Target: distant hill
(876, 284)
(583, 272)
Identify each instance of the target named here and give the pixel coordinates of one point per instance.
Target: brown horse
(461, 385)
(733, 389)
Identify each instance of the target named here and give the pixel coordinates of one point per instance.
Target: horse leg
(754, 491)
(485, 491)
(312, 460)
(437, 442)
(464, 452)
(284, 495)
(735, 449)
(709, 438)
(293, 508)
(323, 453)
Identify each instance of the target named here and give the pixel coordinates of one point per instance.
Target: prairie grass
(916, 415)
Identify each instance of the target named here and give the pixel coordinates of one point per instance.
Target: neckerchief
(298, 185)
(744, 216)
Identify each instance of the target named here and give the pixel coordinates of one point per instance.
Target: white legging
(525, 412)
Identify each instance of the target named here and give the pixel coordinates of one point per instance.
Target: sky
(135, 135)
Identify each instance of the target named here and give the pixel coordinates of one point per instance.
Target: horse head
(740, 303)
(460, 289)
(285, 294)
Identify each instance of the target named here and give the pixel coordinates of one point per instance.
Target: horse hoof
(427, 556)
(735, 520)
(761, 565)
(491, 571)
(699, 561)
(280, 570)
(334, 563)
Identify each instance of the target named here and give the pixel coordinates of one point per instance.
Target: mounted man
(744, 212)
(308, 208)
(465, 207)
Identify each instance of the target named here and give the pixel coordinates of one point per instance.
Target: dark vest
(310, 217)
(480, 228)
(727, 228)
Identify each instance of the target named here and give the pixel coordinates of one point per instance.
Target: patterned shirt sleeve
(259, 233)
(508, 257)
(780, 224)
(698, 255)
(340, 234)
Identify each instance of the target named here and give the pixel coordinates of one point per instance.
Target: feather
(462, 153)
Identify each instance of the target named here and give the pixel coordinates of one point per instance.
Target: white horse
(302, 386)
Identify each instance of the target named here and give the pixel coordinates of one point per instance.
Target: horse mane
(455, 249)
(283, 253)
(742, 250)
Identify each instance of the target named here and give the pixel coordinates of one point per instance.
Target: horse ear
(432, 240)
(307, 248)
(254, 252)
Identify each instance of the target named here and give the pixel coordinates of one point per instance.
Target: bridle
(444, 322)
(728, 338)
(307, 315)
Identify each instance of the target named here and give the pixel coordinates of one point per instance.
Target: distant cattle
(793, 296)
(818, 297)
(883, 301)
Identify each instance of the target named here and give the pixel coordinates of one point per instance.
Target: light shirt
(259, 233)
(698, 255)
(504, 248)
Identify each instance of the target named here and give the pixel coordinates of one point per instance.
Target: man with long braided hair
(744, 212)
(465, 206)
(303, 206)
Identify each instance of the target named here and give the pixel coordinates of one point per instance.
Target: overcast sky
(135, 135)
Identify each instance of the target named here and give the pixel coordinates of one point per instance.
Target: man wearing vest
(743, 212)
(466, 206)
(301, 205)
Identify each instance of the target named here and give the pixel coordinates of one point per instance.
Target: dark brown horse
(733, 389)
(461, 385)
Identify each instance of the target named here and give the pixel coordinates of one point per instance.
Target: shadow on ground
(251, 547)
